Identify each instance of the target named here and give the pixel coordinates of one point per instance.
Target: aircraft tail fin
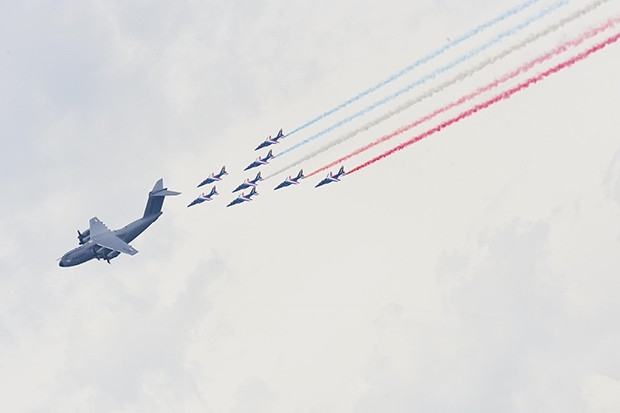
(223, 171)
(156, 198)
(341, 171)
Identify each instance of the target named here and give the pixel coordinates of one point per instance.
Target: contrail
(524, 68)
(500, 97)
(461, 59)
(458, 78)
(419, 62)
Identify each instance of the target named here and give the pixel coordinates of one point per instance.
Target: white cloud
(601, 393)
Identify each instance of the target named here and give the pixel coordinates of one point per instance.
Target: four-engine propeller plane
(332, 177)
(291, 181)
(101, 243)
(214, 177)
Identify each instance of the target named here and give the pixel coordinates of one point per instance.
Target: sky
(474, 271)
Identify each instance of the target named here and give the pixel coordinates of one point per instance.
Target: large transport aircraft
(101, 243)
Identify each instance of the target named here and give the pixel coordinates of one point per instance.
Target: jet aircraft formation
(252, 184)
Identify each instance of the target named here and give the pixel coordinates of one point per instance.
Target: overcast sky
(475, 271)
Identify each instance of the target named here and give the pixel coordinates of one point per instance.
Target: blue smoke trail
(419, 62)
(432, 75)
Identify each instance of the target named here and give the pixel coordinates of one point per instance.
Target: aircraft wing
(101, 235)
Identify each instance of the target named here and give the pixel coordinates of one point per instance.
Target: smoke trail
(524, 68)
(419, 62)
(458, 78)
(500, 97)
(463, 58)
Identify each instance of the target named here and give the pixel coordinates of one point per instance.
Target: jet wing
(101, 235)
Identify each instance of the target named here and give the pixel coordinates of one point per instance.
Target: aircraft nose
(61, 263)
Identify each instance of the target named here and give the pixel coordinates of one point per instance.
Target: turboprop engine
(83, 237)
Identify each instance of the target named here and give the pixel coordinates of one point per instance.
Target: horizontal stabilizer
(164, 192)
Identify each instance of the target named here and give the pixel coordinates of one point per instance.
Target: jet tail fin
(156, 198)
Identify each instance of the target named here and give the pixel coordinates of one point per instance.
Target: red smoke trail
(502, 96)
(524, 68)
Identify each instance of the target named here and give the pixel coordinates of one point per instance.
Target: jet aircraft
(243, 198)
(101, 243)
(260, 161)
(270, 140)
(214, 177)
(202, 198)
(249, 183)
(332, 178)
(291, 181)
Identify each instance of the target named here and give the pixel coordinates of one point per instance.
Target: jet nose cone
(62, 263)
